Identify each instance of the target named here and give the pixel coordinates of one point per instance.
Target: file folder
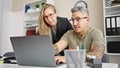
(108, 25)
(113, 23)
(118, 25)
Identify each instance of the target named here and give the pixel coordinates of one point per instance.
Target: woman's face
(50, 17)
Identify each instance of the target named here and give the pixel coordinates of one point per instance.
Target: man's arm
(97, 46)
(97, 50)
(59, 46)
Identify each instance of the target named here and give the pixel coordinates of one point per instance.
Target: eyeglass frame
(49, 15)
(78, 19)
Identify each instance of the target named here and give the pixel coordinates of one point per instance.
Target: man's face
(80, 21)
(50, 17)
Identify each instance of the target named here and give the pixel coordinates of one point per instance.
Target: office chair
(105, 58)
(9, 57)
(9, 54)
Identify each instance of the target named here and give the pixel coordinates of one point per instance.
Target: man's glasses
(50, 15)
(78, 19)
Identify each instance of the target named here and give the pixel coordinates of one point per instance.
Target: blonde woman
(51, 24)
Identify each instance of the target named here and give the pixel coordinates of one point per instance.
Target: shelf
(31, 7)
(31, 20)
(30, 28)
(33, 3)
(112, 10)
(113, 53)
(32, 13)
(112, 15)
(31, 25)
(112, 7)
(115, 36)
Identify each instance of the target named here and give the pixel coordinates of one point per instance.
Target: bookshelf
(112, 25)
(112, 10)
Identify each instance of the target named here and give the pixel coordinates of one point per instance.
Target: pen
(83, 46)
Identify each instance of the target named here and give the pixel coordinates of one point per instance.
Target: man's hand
(60, 59)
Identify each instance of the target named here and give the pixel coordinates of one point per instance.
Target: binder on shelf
(113, 21)
(108, 25)
(118, 25)
(112, 25)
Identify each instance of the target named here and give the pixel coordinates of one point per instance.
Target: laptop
(34, 50)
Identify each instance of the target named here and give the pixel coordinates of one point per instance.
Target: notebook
(34, 50)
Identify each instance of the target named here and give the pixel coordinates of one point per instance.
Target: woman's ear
(56, 14)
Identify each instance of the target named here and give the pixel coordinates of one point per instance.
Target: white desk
(105, 65)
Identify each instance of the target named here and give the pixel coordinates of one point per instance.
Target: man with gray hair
(91, 38)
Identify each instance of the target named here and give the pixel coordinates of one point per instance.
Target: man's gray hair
(81, 9)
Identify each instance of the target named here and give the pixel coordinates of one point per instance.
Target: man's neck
(82, 33)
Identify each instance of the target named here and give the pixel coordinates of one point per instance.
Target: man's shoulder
(94, 29)
(70, 33)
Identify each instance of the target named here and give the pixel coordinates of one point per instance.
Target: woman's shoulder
(62, 18)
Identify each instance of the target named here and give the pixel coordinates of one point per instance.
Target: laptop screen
(33, 50)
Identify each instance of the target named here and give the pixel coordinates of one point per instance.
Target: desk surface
(105, 65)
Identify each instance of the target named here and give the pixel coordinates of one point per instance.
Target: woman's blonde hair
(43, 27)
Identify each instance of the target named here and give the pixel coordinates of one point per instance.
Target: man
(91, 38)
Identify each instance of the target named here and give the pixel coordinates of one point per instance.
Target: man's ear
(88, 19)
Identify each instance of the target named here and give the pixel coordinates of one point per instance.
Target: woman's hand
(60, 59)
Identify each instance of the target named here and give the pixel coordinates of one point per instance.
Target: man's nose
(75, 22)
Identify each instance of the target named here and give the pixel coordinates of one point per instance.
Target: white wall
(12, 25)
(0, 24)
(12, 22)
(95, 8)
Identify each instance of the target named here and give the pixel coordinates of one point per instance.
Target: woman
(51, 24)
